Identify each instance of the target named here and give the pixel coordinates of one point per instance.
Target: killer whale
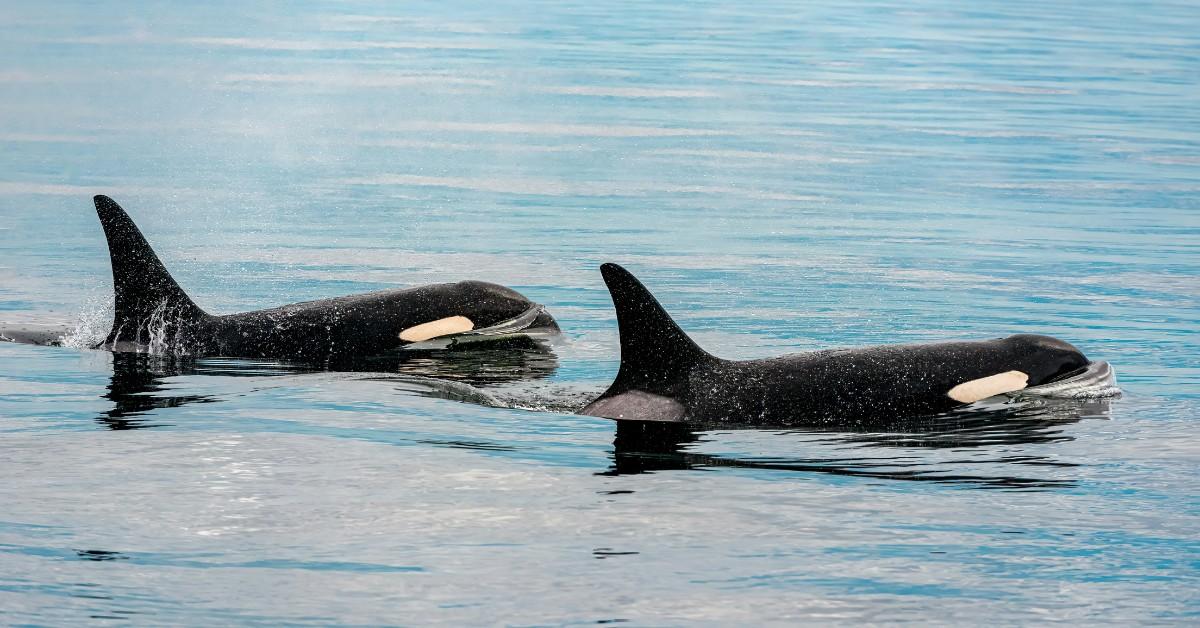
(153, 313)
(665, 376)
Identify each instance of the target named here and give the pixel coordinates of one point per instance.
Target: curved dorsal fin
(656, 355)
(141, 284)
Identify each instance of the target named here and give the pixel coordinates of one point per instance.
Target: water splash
(561, 399)
(162, 330)
(1097, 381)
(94, 320)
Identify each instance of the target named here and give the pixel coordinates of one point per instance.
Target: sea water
(783, 176)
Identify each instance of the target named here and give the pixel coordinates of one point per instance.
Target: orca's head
(487, 304)
(1046, 359)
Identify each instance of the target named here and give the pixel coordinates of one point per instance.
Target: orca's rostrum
(152, 313)
(665, 376)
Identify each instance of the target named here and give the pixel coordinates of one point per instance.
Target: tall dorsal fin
(656, 355)
(141, 284)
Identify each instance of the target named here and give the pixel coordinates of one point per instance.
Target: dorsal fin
(142, 286)
(656, 355)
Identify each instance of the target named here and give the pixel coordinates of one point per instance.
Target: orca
(665, 376)
(153, 314)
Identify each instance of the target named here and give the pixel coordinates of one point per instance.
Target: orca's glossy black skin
(665, 376)
(152, 310)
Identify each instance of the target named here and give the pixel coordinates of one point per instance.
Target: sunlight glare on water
(783, 176)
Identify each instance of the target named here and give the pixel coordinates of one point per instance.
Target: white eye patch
(435, 329)
(984, 387)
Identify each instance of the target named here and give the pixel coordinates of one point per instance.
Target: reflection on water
(984, 446)
(512, 359)
(135, 381)
(139, 383)
(987, 441)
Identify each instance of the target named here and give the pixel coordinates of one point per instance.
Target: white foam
(1099, 381)
(94, 321)
(162, 329)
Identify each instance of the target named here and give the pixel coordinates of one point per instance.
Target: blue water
(783, 176)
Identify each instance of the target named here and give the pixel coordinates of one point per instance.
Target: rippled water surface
(783, 176)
